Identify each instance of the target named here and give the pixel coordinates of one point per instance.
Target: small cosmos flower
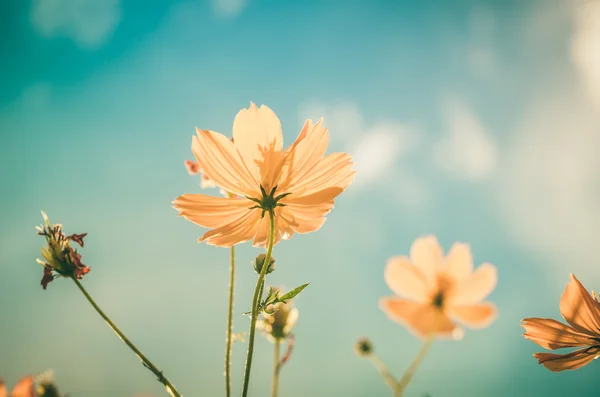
(29, 386)
(582, 313)
(60, 257)
(298, 185)
(434, 291)
(193, 168)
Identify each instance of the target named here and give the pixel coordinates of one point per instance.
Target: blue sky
(477, 121)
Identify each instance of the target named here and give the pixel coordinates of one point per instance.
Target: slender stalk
(383, 370)
(255, 302)
(229, 323)
(147, 363)
(407, 377)
(276, 366)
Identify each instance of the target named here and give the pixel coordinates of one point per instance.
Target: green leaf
(292, 293)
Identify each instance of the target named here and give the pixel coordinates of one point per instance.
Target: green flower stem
(407, 377)
(147, 363)
(229, 323)
(385, 373)
(255, 302)
(276, 366)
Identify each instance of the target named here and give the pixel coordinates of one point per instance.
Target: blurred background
(476, 121)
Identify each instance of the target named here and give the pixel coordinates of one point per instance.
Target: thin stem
(276, 366)
(147, 363)
(229, 323)
(385, 373)
(255, 301)
(407, 377)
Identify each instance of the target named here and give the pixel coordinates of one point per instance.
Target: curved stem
(229, 323)
(276, 366)
(385, 373)
(147, 363)
(407, 377)
(255, 302)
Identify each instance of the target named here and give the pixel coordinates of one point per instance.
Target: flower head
(363, 347)
(60, 258)
(193, 168)
(297, 185)
(582, 313)
(439, 290)
(29, 386)
(278, 320)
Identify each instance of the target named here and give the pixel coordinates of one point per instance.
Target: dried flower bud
(45, 385)
(260, 260)
(279, 321)
(363, 347)
(60, 257)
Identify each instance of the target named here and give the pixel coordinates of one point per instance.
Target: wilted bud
(45, 386)
(260, 260)
(60, 257)
(28, 386)
(363, 347)
(278, 320)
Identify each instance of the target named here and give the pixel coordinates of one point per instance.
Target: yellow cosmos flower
(439, 289)
(298, 185)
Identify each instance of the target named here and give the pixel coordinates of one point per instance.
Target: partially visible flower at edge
(439, 290)
(60, 257)
(298, 185)
(582, 312)
(278, 325)
(29, 386)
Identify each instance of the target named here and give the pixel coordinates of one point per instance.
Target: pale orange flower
(299, 184)
(438, 289)
(582, 311)
(23, 388)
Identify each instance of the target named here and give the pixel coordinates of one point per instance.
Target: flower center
(268, 202)
(438, 300)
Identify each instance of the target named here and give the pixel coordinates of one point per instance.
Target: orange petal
(427, 254)
(551, 334)
(24, 388)
(192, 167)
(284, 222)
(209, 211)
(221, 162)
(2, 389)
(474, 316)
(308, 149)
(306, 218)
(579, 308)
(405, 279)
(562, 362)
(239, 231)
(258, 137)
(475, 287)
(459, 261)
(420, 319)
(334, 170)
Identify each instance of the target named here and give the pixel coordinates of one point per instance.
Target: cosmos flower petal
(238, 231)
(334, 170)
(405, 279)
(300, 157)
(24, 388)
(2, 389)
(427, 254)
(474, 316)
(209, 211)
(569, 361)
(221, 162)
(579, 308)
(421, 319)
(459, 261)
(258, 137)
(283, 228)
(475, 287)
(551, 334)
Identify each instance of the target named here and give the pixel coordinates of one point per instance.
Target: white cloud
(89, 22)
(585, 47)
(228, 8)
(552, 182)
(376, 149)
(468, 151)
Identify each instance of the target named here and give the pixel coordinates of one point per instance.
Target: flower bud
(260, 260)
(363, 347)
(278, 320)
